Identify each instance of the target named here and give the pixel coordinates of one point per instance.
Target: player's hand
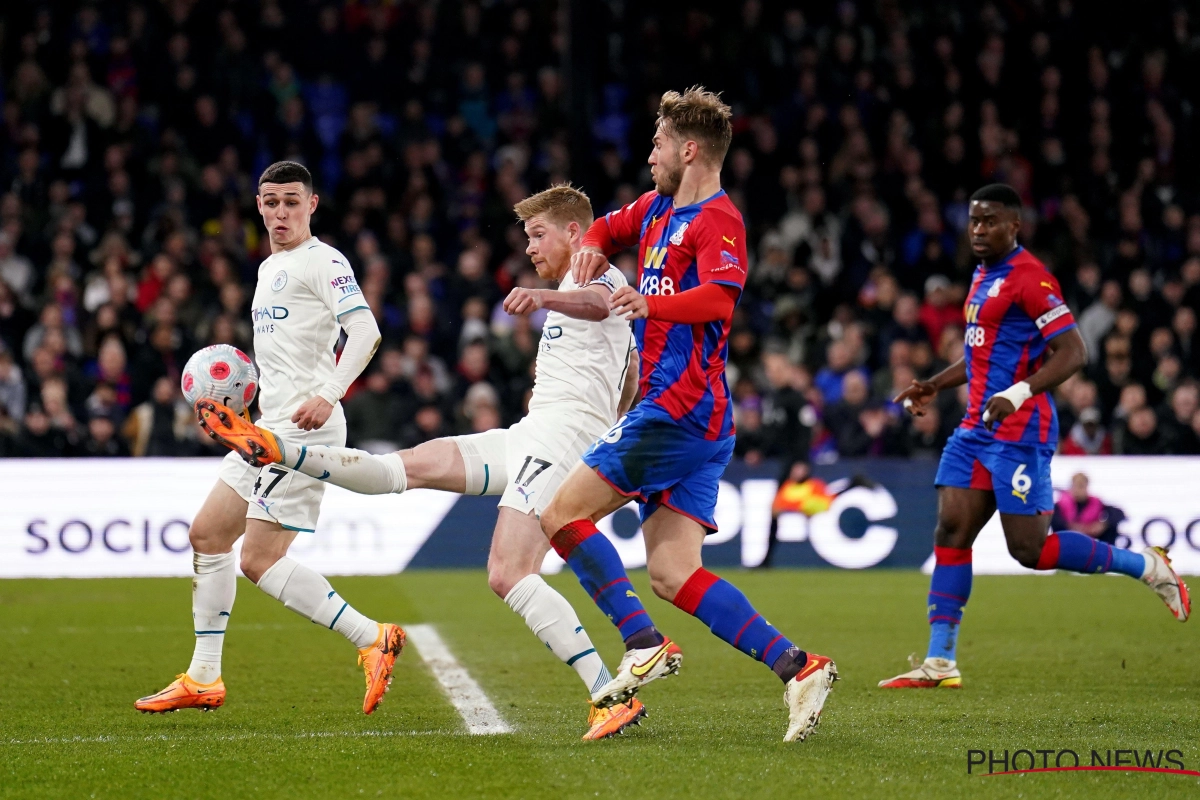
(522, 301)
(628, 304)
(996, 410)
(313, 414)
(587, 265)
(916, 397)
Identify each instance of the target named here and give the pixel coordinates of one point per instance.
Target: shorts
(276, 493)
(526, 463)
(649, 456)
(1018, 473)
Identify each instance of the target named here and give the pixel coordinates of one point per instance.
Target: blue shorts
(651, 457)
(1016, 472)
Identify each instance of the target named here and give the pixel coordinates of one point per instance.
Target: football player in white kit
(306, 296)
(586, 376)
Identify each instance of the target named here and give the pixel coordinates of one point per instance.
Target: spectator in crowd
(1087, 437)
(1077, 510)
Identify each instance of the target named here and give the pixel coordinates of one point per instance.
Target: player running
(1021, 341)
(581, 387)
(306, 296)
(670, 451)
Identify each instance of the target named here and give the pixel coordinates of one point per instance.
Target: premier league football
(583, 398)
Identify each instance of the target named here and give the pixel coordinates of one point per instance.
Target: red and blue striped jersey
(1013, 309)
(682, 366)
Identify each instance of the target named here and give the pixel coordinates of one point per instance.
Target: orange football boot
(257, 446)
(606, 722)
(183, 692)
(377, 662)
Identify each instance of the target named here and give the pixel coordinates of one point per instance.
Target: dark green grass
(1058, 662)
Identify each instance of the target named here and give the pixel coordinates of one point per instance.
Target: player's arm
(362, 340)
(720, 252)
(1068, 355)
(917, 396)
(710, 302)
(609, 234)
(590, 302)
(629, 389)
(334, 283)
(1039, 296)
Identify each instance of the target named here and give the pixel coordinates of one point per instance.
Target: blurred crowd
(132, 134)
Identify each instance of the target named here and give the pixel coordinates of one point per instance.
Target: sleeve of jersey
(618, 229)
(332, 280)
(721, 251)
(709, 302)
(1041, 298)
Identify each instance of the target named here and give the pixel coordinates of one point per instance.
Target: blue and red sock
(728, 614)
(1078, 552)
(949, 590)
(602, 575)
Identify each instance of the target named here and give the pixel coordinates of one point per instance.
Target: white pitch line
(464, 693)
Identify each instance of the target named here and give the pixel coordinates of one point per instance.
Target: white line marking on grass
(464, 693)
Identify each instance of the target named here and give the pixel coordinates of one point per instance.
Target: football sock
(555, 623)
(728, 614)
(356, 470)
(602, 575)
(949, 590)
(311, 596)
(213, 590)
(1079, 552)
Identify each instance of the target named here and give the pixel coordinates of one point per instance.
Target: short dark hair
(1000, 193)
(287, 172)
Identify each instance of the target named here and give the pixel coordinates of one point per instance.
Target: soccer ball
(222, 373)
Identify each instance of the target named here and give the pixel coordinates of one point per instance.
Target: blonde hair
(700, 115)
(561, 204)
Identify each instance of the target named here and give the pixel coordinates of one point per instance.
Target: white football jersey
(300, 296)
(580, 364)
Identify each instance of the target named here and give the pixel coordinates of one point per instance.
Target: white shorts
(526, 463)
(276, 493)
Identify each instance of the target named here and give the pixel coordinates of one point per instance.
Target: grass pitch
(1049, 663)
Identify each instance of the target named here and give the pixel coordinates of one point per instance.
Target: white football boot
(805, 696)
(1166, 583)
(932, 673)
(638, 667)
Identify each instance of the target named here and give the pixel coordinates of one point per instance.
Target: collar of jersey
(1007, 262)
(698, 203)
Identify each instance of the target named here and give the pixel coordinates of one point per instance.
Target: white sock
(310, 595)
(554, 621)
(356, 470)
(213, 590)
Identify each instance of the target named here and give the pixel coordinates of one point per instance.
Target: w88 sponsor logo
(653, 284)
(975, 336)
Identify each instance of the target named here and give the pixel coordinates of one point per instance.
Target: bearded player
(581, 387)
(1021, 342)
(306, 297)
(670, 451)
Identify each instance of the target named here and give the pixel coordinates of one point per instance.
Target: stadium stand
(132, 135)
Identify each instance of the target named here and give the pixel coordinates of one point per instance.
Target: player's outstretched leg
(1078, 552)
(216, 527)
(264, 561)
(673, 546)
(648, 654)
(517, 551)
(949, 589)
(582, 497)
